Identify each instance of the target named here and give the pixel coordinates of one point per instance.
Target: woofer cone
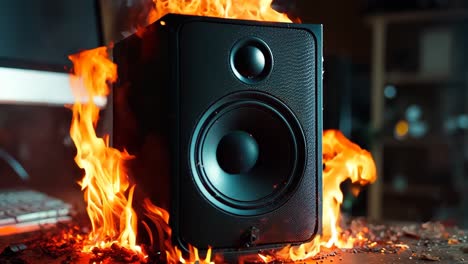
(268, 153)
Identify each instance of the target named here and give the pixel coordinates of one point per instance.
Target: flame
(107, 190)
(160, 218)
(247, 9)
(343, 160)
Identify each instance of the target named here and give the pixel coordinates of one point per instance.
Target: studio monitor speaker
(224, 119)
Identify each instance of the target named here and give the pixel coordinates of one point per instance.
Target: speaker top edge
(183, 18)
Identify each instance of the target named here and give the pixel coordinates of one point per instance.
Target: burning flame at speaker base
(342, 160)
(106, 187)
(109, 193)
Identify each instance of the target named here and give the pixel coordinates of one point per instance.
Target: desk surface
(420, 251)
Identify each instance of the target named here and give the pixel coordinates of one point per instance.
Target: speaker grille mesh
(206, 76)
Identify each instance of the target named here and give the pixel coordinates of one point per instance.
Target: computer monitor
(37, 37)
(43, 33)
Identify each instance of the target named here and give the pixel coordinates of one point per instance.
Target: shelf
(417, 190)
(419, 16)
(405, 78)
(415, 142)
(435, 143)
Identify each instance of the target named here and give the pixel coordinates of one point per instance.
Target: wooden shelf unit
(379, 24)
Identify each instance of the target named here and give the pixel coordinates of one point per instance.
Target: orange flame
(160, 217)
(259, 10)
(343, 160)
(247, 9)
(106, 187)
(105, 183)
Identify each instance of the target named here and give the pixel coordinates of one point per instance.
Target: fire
(342, 160)
(246, 9)
(107, 190)
(160, 217)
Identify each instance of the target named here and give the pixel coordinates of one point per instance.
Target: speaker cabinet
(224, 118)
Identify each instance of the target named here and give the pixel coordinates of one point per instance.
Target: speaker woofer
(247, 153)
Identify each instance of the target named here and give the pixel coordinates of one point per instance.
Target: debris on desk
(11, 254)
(64, 242)
(431, 242)
(410, 234)
(425, 256)
(13, 249)
(464, 249)
(116, 253)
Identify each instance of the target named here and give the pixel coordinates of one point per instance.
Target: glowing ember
(106, 188)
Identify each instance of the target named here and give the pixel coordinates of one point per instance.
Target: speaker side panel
(205, 77)
(145, 114)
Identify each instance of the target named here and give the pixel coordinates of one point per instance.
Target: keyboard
(28, 210)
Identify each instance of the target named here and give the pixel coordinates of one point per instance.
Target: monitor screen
(37, 37)
(41, 34)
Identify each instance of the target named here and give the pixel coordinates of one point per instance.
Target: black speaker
(224, 118)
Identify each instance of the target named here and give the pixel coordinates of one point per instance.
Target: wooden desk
(447, 253)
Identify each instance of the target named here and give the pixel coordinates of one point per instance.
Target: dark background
(424, 170)
(46, 32)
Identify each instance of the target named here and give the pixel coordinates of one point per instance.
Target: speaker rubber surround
(280, 164)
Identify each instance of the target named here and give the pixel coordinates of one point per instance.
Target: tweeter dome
(224, 119)
(251, 60)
